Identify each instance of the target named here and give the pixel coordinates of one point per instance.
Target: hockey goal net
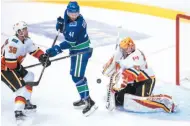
(182, 48)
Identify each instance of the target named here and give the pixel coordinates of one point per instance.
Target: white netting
(184, 40)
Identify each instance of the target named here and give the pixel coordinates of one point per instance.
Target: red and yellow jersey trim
(37, 53)
(29, 88)
(130, 75)
(152, 104)
(9, 63)
(20, 100)
(20, 59)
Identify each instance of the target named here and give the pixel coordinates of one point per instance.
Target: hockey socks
(82, 88)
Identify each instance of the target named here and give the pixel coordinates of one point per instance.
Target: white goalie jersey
(133, 66)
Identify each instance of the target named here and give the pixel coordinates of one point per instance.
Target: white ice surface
(56, 92)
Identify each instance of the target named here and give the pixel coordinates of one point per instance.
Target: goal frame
(178, 17)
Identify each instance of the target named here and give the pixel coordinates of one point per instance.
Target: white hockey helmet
(19, 26)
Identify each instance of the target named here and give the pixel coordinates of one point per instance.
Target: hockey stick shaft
(118, 35)
(37, 82)
(48, 56)
(111, 78)
(109, 91)
(57, 59)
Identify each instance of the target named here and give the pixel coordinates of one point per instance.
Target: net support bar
(178, 45)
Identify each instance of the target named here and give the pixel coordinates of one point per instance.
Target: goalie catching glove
(111, 67)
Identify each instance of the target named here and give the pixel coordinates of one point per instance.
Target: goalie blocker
(132, 81)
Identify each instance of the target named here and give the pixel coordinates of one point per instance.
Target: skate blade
(29, 111)
(94, 107)
(24, 122)
(19, 122)
(80, 107)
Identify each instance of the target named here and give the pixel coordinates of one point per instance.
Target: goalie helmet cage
(178, 17)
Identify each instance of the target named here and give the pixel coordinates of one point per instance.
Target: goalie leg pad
(149, 104)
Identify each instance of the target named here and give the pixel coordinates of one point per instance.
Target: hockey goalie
(132, 82)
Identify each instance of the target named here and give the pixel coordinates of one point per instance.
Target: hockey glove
(53, 51)
(21, 71)
(44, 59)
(60, 24)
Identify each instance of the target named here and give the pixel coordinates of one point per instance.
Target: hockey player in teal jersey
(73, 27)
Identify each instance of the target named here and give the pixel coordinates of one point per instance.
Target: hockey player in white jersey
(13, 73)
(132, 81)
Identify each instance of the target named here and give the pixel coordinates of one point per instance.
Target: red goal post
(178, 17)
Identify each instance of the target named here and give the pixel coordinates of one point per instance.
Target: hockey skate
(90, 107)
(79, 104)
(29, 107)
(20, 117)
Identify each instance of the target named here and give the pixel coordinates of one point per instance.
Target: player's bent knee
(29, 77)
(22, 92)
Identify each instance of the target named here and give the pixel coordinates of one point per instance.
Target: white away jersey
(14, 51)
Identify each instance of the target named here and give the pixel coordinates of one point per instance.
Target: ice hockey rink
(155, 36)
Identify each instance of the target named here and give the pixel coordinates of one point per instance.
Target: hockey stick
(109, 91)
(111, 78)
(118, 35)
(57, 59)
(37, 82)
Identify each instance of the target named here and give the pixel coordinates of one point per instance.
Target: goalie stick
(109, 91)
(111, 78)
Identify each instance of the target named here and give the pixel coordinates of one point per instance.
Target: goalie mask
(127, 46)
(21, 29)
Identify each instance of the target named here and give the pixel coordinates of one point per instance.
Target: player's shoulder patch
(15, 40)
(73, 24)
